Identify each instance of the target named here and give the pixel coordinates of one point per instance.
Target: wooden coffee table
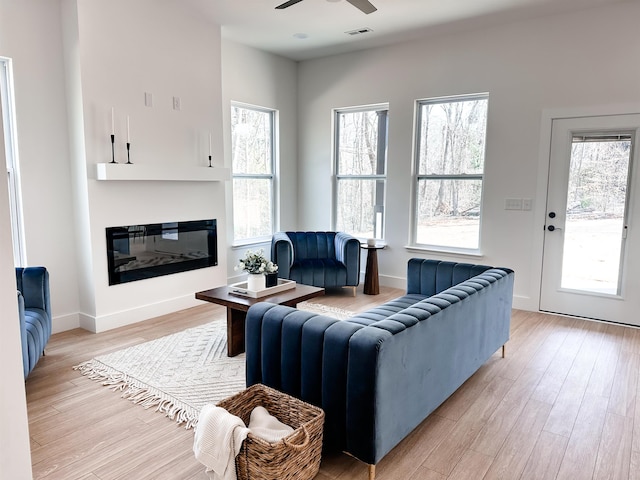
(237, 307)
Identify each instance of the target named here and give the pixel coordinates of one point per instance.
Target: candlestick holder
(210, 161)
(128, 157)
(113, 148)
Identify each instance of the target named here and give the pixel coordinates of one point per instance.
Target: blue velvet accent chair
(34, 307)
(321, 259)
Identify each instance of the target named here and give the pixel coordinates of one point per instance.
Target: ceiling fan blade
(364, 5)
(287, 4)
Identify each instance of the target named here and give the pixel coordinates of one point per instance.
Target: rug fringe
(139, 393)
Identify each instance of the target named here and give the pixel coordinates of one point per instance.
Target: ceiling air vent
(359, 31)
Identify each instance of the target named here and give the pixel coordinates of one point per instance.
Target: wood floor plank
(634, 468)
(425, 474)
(512, 458)
(580, 455)
(472, 465)
(604, 370)
(555, 375)
(406, 457)
(614, 454)
(544, 461)
(491, 438)
(453, 447)
(625, 383)
(567, 404)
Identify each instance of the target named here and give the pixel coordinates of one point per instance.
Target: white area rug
(180, 373)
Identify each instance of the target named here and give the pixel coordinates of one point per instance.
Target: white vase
(255, 282)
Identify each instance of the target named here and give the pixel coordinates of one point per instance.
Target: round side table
(371, 280)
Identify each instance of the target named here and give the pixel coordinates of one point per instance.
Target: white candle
(209, 144)
(113, 122)
(128, 133)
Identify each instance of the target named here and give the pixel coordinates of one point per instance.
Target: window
(361, 167)
(253, 166)
(11, 155)
(449, 167)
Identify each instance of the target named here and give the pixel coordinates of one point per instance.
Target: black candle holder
(210, 161)
(113, 148)
(128, 157)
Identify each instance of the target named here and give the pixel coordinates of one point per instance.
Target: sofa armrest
(282, 253)
(348, 252)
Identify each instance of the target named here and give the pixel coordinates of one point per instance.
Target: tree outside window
(449, 171)
(253, 152)
(361, 162)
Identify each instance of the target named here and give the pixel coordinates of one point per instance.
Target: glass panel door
(591, 260)
(595, 219)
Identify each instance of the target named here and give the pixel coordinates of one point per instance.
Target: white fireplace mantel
(141, 172)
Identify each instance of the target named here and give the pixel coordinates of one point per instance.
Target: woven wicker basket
(295, 457)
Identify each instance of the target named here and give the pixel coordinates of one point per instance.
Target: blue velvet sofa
(34, 308)
(321, 259)
(379, 374)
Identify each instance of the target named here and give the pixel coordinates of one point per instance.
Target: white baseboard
(62, 323)
(393, 282)
(137, 314)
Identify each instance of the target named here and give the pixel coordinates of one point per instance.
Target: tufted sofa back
(429, 277)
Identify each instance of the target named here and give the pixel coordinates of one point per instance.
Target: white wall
(257, 78)
(567, 61)
(30, 34)
(15, 455)
(125, 49)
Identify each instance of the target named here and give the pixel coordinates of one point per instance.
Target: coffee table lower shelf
(238, 306)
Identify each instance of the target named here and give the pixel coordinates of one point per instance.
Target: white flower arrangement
(256, 263)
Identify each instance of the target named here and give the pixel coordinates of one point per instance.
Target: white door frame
(532, 303)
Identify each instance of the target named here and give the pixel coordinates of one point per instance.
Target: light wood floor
(563, 404)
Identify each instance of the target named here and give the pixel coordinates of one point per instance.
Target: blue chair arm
(282, 253)
(348, 252)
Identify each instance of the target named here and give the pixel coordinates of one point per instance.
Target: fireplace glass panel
(137, 252)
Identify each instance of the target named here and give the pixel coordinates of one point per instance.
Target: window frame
(272, 177)
(381, 148)
(417, 177)
(8, 123)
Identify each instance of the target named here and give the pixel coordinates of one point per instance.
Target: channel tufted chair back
(321, 259)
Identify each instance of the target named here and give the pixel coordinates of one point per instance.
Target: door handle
(553, 228)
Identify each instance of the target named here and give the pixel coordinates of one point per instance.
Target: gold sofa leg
(372, 472)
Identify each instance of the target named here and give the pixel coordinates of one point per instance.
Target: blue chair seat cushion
(319, 271)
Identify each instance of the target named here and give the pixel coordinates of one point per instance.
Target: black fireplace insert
(136, 252)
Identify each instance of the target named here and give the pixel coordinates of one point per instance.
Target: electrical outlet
(527, 204)
(148, 99)
(176, 103)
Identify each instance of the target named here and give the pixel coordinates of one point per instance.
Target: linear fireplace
(136, 252)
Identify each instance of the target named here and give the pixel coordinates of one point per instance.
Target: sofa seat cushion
(320, 272)
(387, 309)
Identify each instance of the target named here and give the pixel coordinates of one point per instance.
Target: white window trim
(7, 109)
(413, 246)
(336, 177)
(275, 165)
